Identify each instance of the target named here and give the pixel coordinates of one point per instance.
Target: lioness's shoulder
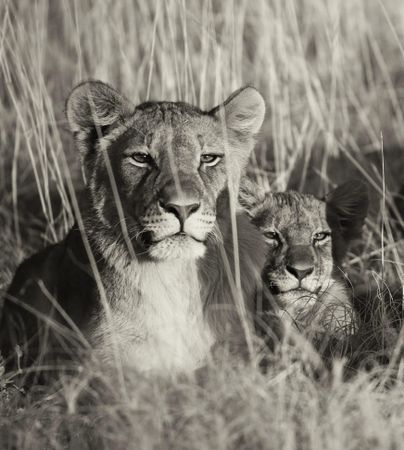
(34, 268)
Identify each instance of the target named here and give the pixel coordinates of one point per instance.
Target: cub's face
(306, 237)
(299, 262)
(157, 171)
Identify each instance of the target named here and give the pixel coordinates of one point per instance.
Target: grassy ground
(332, 73)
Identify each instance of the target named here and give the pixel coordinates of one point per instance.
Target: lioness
(149, 275)
(307, 241)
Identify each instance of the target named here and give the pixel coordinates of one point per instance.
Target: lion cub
(307, 241)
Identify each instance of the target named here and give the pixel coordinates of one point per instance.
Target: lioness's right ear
(91, 108)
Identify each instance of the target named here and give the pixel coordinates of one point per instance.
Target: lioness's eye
(321, 236)
(141, 159)
(210, 159)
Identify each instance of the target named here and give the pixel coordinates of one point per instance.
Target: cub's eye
(210, 159)
(321, 236)
(141, 159)
(272, 235)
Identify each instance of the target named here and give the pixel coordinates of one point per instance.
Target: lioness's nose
(182, 212)
(300, 272)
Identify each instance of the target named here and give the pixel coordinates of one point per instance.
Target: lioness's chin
(175, 247)
(297, 299)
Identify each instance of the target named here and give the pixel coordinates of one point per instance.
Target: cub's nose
(300, 272)
(182, 212)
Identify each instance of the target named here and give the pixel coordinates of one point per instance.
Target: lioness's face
(170, 168)
(161, 167)
(305, 237)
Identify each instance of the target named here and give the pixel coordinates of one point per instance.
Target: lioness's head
(307, 238)
(156, 171)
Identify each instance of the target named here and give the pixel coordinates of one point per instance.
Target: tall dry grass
(332, 74)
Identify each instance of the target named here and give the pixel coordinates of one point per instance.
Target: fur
(307, 240)
(141, 282)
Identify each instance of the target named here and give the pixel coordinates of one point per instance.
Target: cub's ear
(91, 108)
(347, 207)
(252, 197)
(243, 111)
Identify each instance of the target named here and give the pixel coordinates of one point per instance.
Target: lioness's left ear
(348, 205)
(243, 112)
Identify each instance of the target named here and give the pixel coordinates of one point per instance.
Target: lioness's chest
(156, 321)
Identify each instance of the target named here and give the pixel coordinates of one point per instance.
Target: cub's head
(307, 238)
(155, 172)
